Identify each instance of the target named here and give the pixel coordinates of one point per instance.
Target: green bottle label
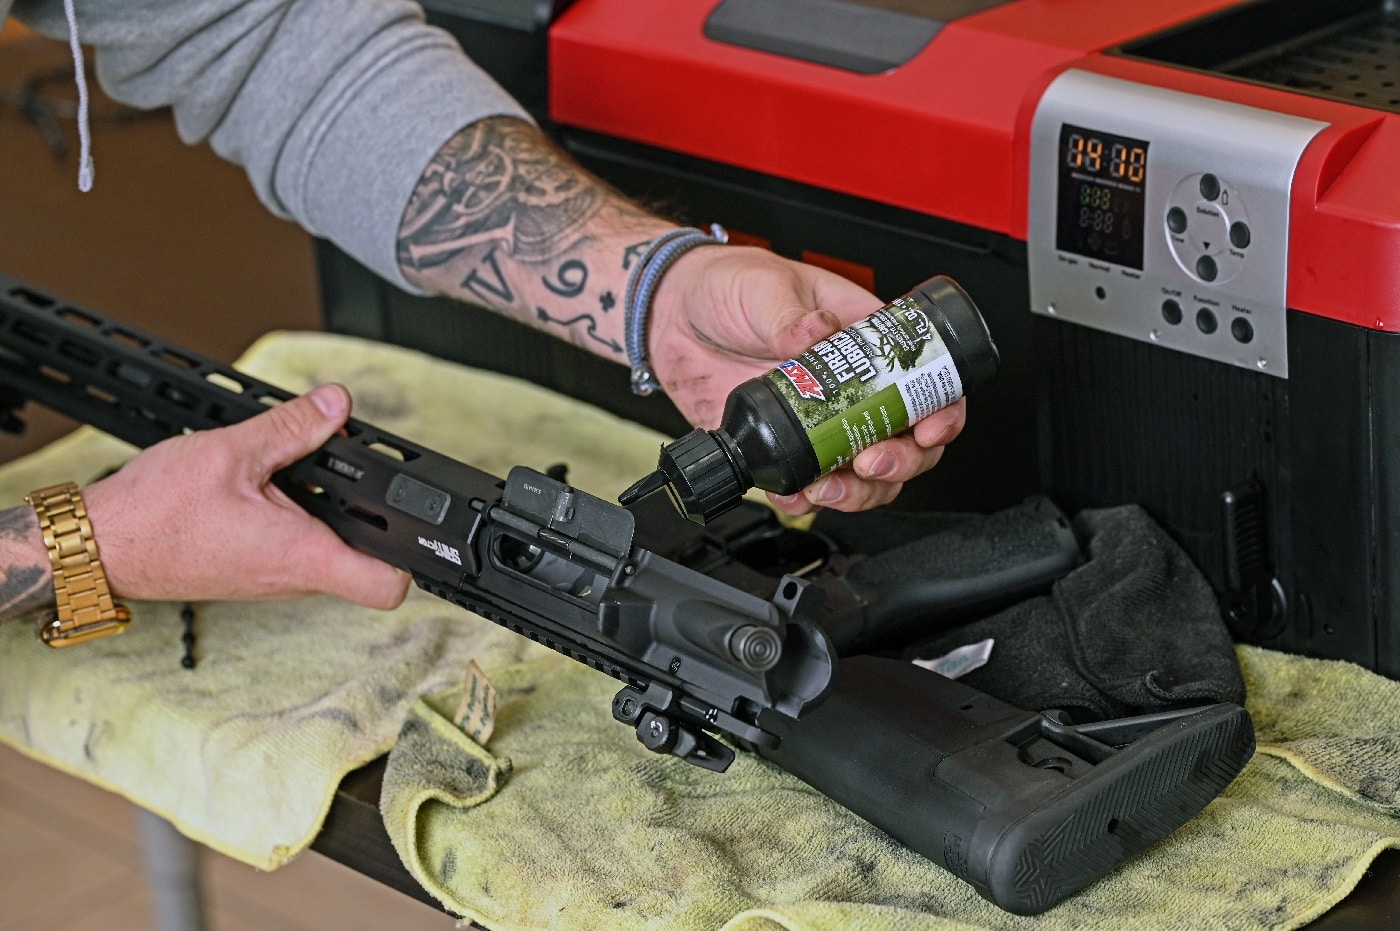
(871, 381)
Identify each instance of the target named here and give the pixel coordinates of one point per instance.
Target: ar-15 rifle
(1023, 806)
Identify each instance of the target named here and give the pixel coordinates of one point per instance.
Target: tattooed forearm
(502, 218)
(26, 580)
(497, 181)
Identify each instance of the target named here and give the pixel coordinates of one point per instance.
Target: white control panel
(1163, 217)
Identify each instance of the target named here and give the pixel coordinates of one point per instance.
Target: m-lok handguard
(1024, 806)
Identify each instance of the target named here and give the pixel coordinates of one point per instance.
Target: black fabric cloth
(1135, 629)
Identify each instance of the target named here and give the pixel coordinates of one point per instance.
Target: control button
(1239, 235)
(1242, 330)
(1210, 186)
(1206, 268)
(1171, 311)
(1176, 220)
(1205, 321)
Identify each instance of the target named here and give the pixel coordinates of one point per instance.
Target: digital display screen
(1102, 193)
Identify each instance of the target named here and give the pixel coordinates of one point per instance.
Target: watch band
(86, 610)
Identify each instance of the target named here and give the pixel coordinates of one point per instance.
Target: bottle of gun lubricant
(812, 414)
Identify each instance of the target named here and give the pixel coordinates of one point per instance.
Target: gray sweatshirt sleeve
(334, 107)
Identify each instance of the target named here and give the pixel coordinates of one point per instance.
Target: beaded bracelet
(642, 283)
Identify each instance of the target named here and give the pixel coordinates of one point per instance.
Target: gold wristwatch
(86, 610)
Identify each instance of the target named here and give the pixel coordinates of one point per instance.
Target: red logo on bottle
(806, 384)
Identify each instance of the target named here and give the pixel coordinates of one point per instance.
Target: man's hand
(197, 518)
(547, 243)
(725, 314)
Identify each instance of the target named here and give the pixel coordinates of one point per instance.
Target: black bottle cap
(964, 331)
(699, 475)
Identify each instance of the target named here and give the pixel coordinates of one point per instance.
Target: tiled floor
(173, 241)
(71, 859)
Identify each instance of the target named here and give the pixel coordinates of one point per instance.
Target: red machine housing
(1305, 545)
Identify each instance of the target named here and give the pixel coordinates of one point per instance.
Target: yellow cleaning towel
(244, 752)
(588, 830)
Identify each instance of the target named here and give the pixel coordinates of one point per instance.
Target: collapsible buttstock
(1024, 808)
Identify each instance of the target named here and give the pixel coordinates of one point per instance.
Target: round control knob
(1176, 220)
(656, 733)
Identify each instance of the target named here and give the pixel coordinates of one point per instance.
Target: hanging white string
(85, 168)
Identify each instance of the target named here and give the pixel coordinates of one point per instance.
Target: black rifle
(1024, 806)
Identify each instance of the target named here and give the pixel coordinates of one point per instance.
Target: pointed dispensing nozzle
(698, 474)
(656, 481)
